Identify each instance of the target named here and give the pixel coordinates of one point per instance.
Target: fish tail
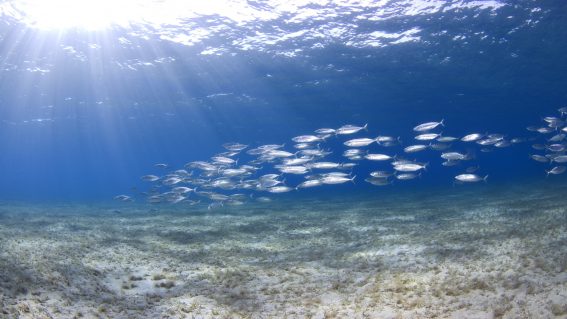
(365, 127)
(442, 122)
(485, 179)
(352, 179)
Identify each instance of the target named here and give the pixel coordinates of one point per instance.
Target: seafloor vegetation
(460, 254)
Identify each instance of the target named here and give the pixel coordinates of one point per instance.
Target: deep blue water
(84, 114)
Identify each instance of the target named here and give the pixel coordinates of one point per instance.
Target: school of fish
(242, 173)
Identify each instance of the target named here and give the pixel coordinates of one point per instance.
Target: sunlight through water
(101, 14)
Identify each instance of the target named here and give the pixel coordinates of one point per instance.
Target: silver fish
(556, 170)
(279, 153)
(503, 143)
(428, 126)
(319, 153)
(381, 174)
(539, 158)
(332, 179)
(378, 181)
(454, 156)
(472, 169)
(175, 199)
(279, 189)
(359, 142)
(215, 205)
(410, 167)
(439, 146)
(149, 178)
(387, 140)
(267, 183)
(271, 146)
(350, 129)
(557, 138)
(415, 148)
(155, 199)
(378, 157)
(181, 190)
(223, 160)
(124, 198)
(407, 176)
(236, 147)
(269, 176)
(353, 152)
(172, 180)
(347, 165)
(472, 137)
(556, 147)
(263, 199)
(292, 169)
(231, 172)
(228, 154)
(297, 161)
(449, 163)
(302, 146)
(427, 136)
(310, 183)
(325, 131)
(218, 197)
(235, 202)
(551, 119)
(307, 139)
(446, 139)
(340, 174)
(488, 141)
(470, 178)
(560, 159)
(224, 183)
(324, 165)
(545, 130)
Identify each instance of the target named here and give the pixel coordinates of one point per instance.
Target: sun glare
(88, 14)
(101, 14)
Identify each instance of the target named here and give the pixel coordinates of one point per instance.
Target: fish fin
(485, 179)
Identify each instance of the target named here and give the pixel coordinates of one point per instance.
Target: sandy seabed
(456, 255)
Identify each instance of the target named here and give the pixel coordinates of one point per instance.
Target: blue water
(84, 114)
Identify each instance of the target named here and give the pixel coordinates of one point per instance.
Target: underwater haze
(271, 159)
